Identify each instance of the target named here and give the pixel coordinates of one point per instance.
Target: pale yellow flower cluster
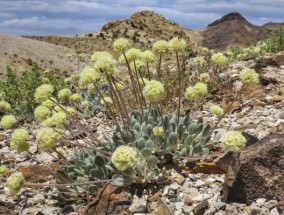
(249, 77)
(204, 77)
(234, 141)
(106, 101)
(88, 75)
(216, 110)
(124, 157)
(41, 113)
(161, 47)
(43, 92)
(120, 44)
(158, 131)
(15, 182)
(46, 138)
(5, 106)
(176, 44)
(199, 90)
(220, 59)
(153, 91)
(19, 140)
(64, 94)
(8, 121)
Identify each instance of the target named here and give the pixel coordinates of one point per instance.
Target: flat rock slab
(256, 172)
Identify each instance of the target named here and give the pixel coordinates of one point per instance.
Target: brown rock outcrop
(256, 172)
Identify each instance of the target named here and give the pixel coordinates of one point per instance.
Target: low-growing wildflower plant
(143, 134)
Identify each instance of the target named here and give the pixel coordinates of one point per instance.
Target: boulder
(256, 172)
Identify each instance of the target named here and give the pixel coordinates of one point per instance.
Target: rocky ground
(197, 189)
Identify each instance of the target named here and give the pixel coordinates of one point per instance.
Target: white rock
(199, 183)
(201, 197)
(138, 205)
(274, 211)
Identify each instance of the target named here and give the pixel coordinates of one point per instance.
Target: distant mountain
(142, 29)
(20, 53)
(232, 30)
(273, 26)
(145, 27)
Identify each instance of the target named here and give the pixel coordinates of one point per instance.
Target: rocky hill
(20, 53)
(145, 27)
(273, 26)
(232, 30)
(142, 29)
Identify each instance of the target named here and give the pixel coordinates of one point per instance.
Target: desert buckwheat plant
(143, 132)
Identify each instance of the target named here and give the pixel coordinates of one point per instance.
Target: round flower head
(199, 60)
(45, 80)
(124, 157)
(161, 47)
(5, 106)
(100, 55)
(88, 75)
(64, 94)
(220, 59)
(69, 56)
(8, 121)
(59, 118)
(19, 136)
(75, 97)
(105, 65)
(198, 91)
(22, 147)
(46, 138)
(71, 110)
(158, 131)
(133, 54)
(120, 44)
(48, 122)
(91, 88)
(148, 56)
(249, 77)
(138, 64)
(216, 110)
(15, 182)
(85, 103)
(59, 150)
(41, 113)
(43, 92)
(153, 91)
(190, 94)
(234, 141)
(81, 56)
(121, 59)
(3, 169)
(204, 77)
(106, 100)
(177, 44)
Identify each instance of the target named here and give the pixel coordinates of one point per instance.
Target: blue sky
(71, 17)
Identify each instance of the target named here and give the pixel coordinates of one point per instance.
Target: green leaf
(129, 172)
(99, 161)
(173, 138)
(137, 127)
(146, 152)
(117, 180)
(189, 140)
(149, 143)
(180, 131)
(152, 161)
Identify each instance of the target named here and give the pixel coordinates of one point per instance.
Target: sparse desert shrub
(20, 88)
(276, 42)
